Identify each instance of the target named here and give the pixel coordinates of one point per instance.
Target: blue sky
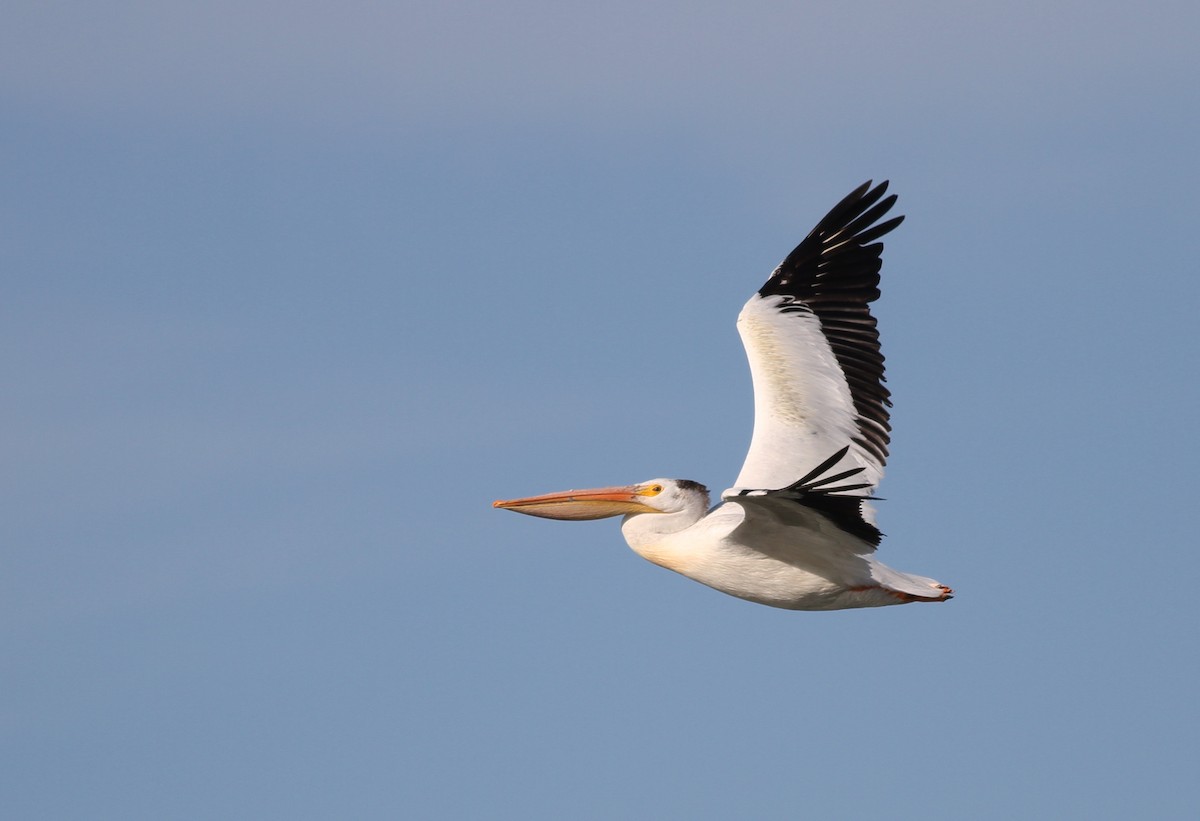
(292, 292)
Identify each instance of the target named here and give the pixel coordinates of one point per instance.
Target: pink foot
(944, 593)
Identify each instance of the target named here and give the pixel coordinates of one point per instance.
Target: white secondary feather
(803, 409)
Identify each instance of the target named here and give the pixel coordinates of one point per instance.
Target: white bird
(797, 530)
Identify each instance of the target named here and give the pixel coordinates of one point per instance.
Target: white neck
(642, 529)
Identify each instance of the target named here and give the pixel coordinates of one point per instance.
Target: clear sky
(293, 291)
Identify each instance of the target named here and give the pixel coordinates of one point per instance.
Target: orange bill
(578, 505)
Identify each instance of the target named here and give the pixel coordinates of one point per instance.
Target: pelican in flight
(797, 530)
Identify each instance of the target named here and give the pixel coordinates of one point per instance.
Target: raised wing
(814, 353)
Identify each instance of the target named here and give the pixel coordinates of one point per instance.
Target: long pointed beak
(578, 505)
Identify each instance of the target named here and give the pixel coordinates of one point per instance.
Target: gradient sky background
(293, 291)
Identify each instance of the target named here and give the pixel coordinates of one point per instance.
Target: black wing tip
(861, 191)
(854, 206)
(818, 480)
(839, 503)
(851, 224)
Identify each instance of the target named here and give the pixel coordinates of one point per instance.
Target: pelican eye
(652, 490)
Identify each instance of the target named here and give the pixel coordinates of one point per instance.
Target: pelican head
(655, 496)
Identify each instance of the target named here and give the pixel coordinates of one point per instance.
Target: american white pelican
(797, 530)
